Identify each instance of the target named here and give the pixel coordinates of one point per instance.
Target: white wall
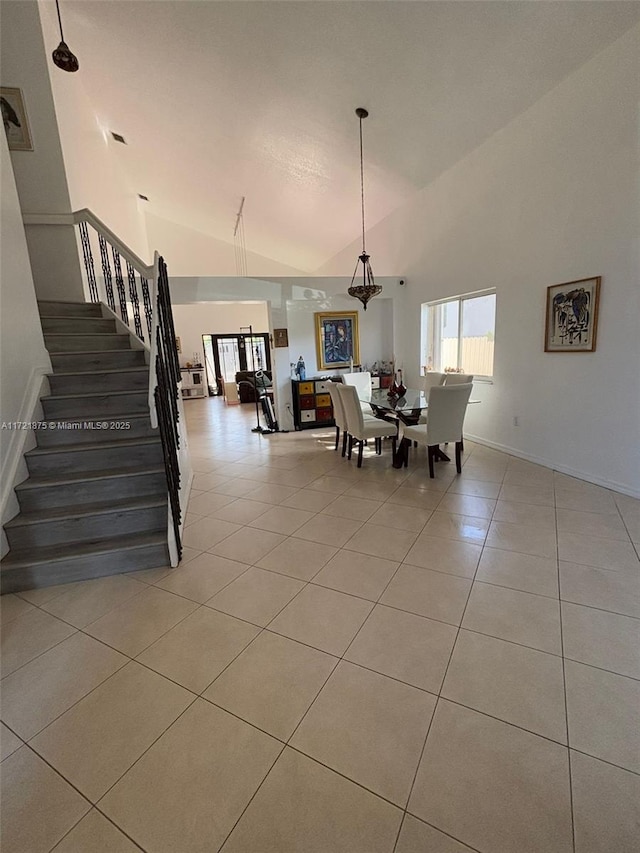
(93, 161)
(39, 174)
(552, 197)
(23, 358)
(193, 253)
(375, 329)
(215, 318)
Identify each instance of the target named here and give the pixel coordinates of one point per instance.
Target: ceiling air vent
(119, 138)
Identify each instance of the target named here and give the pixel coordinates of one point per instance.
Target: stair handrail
(88, 216)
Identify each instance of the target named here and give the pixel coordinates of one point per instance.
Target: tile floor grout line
(262, 628)
(605, 761)
(115, 607)
(62, 776)
(599, 609)
(602, 668)
(175, 625)
(464, 843)
(435, 709)
(73, 705)
(106, 817)
(564, 684)
(251, 799)
(39, 655)
(145, 751)
(340, 658)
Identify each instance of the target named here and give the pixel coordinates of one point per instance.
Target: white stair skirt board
(17, 442)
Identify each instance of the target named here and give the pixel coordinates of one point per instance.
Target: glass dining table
(406, 408)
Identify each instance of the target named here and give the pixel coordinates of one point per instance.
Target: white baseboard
(622, 488)
(17, 442)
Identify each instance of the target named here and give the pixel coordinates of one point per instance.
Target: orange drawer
(305, 388)
(323, 400)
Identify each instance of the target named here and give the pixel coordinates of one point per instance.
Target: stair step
(69, 458)
(69, 342)
(118, 379)
(78, 325)
(89, 360)
(50, 308)
(54, 564)
(87, 522)
(105, 485)
(71, 431)
(84, 404)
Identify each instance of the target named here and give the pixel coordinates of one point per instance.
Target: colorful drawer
(311, 403)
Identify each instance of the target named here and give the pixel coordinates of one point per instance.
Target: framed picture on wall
(572, 316)
(337, 342)
(280, 338)
(14, 119)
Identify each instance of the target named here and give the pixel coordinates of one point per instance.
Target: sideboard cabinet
(311, 403)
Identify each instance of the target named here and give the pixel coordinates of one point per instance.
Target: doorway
(226, 355)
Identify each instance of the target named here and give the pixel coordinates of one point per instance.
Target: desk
(407, 409)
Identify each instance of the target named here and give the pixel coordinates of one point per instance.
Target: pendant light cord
(361, 183)
(60, 21)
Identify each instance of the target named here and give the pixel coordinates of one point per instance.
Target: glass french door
(226, 355)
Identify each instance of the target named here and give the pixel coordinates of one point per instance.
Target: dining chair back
(349, 397)
(447, 408)
(361, 381)
(360, 426)
(457, 378)
(445, 420)
(339, 415)
(431, 378)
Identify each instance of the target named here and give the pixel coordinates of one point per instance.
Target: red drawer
(308, 401)
(324, 414)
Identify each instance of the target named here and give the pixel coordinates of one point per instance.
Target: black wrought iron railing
(131, 292)
(166, 395)
(146, 311)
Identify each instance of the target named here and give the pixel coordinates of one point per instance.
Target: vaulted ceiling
(219, 100)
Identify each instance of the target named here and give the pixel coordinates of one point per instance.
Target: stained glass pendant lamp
(62, 56)
(368, 289)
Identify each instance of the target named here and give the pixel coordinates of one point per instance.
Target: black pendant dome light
(368, 289)
(62, 56)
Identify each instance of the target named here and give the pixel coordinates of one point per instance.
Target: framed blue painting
(337, 341)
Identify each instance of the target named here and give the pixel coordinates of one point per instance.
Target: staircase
(95, 502)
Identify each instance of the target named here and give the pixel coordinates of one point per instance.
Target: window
(458, 334)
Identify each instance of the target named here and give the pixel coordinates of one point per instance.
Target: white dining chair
(362, 383)
(432, 378)
(447, 408)
(339, 416)
(362, 427)
(457, 378)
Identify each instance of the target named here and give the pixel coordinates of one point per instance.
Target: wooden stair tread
(53, 553)
(83, 510)
(92, 447)
(100, 474)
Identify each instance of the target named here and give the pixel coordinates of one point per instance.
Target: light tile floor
(346, 661)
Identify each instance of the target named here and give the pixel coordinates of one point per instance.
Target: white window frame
(461, 299)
